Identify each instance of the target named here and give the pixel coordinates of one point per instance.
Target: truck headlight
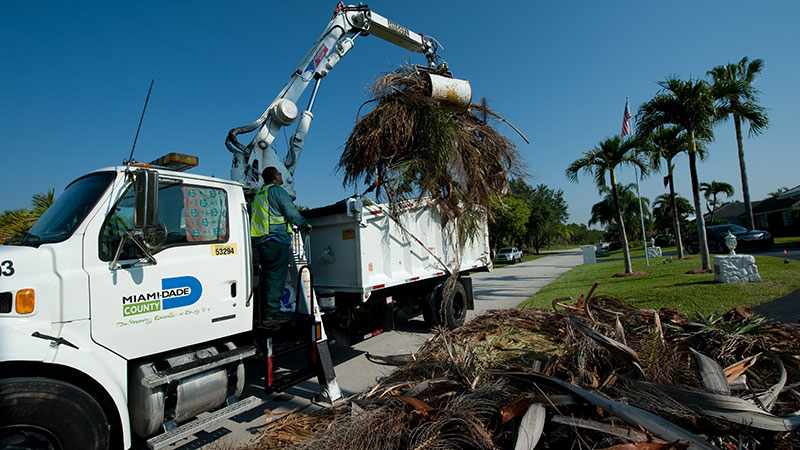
(26, 301)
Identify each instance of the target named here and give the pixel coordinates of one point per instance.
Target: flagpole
(641, 216)
(625, 118)
(641, 210)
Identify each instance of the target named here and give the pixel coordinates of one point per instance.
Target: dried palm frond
(470, 387)
(413, 146)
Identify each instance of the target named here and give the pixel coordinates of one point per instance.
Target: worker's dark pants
(274, 257)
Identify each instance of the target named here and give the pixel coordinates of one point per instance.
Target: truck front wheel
(450, 312)
(38, 413)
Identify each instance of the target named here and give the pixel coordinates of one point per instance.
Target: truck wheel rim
(25, 437)
(458, 306)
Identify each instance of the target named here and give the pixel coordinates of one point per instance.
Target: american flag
(626, 120)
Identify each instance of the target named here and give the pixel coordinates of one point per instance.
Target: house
(780, 215)
(732, 212)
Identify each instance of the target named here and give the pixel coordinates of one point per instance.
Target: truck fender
(88, 367)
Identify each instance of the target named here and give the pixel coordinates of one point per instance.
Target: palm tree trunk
(675, 221)
(701, 223)
(748, 207)
(714, 207)
(626, 254)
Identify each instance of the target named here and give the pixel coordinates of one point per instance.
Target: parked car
(745, 239)
(509, 255)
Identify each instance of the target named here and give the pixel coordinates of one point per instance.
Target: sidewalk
(785, 309)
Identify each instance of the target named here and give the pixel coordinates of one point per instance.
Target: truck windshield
(69, 210)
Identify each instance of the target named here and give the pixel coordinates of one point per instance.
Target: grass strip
(787, 242)
(667, 284)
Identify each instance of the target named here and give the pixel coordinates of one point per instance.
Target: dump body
(360, 249)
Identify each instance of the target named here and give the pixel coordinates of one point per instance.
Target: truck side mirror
(145, 185)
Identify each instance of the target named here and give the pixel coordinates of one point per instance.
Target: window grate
(5, 302)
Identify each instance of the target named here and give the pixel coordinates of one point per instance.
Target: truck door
(194, 292)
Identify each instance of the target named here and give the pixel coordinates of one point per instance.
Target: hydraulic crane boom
(347, 23)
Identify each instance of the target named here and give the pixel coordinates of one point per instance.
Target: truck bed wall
(358, 256)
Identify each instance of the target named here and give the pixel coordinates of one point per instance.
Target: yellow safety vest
(261, 220)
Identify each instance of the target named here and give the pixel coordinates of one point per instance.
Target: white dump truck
(131, 306)
(368, 264)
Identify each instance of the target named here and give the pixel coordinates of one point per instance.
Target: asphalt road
(502, 288)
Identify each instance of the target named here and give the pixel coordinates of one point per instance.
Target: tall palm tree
(666, 143)
(741, 102)
(711, 191)
(691, 106)
(602, 160)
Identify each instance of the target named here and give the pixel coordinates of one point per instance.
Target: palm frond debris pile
(597, 374)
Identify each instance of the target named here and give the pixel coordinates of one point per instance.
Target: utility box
(588, 254)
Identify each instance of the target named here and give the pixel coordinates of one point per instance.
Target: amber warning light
(176, 161)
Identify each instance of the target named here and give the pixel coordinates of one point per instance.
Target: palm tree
(15, 223)
(664, 211)
(604, 159)
(604, 212)
(741, 101)
(711, 191)
(666, 143)
(691, 106)
(778, 192)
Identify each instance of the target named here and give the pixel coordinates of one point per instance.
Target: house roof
(793, 192)
(728, 211)
(735, 210)
(775, 204)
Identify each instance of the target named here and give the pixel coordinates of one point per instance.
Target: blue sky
(73, 78)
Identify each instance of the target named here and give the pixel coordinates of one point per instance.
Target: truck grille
(5, 302)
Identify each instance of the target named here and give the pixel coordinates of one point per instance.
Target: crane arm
(337, 39)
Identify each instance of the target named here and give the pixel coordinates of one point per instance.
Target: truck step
(282, 348)
(190, 428)
(290, 379)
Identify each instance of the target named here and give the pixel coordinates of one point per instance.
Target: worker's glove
(307, 229)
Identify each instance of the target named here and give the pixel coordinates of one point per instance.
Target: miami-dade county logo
(175, 292)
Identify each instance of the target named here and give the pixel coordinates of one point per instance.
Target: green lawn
(667, 284)
(787, 242)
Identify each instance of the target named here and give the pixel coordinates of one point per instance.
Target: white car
(509, 255)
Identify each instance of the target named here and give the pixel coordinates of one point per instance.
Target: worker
(273, 212)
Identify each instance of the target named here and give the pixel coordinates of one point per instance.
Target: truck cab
(87, 306)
